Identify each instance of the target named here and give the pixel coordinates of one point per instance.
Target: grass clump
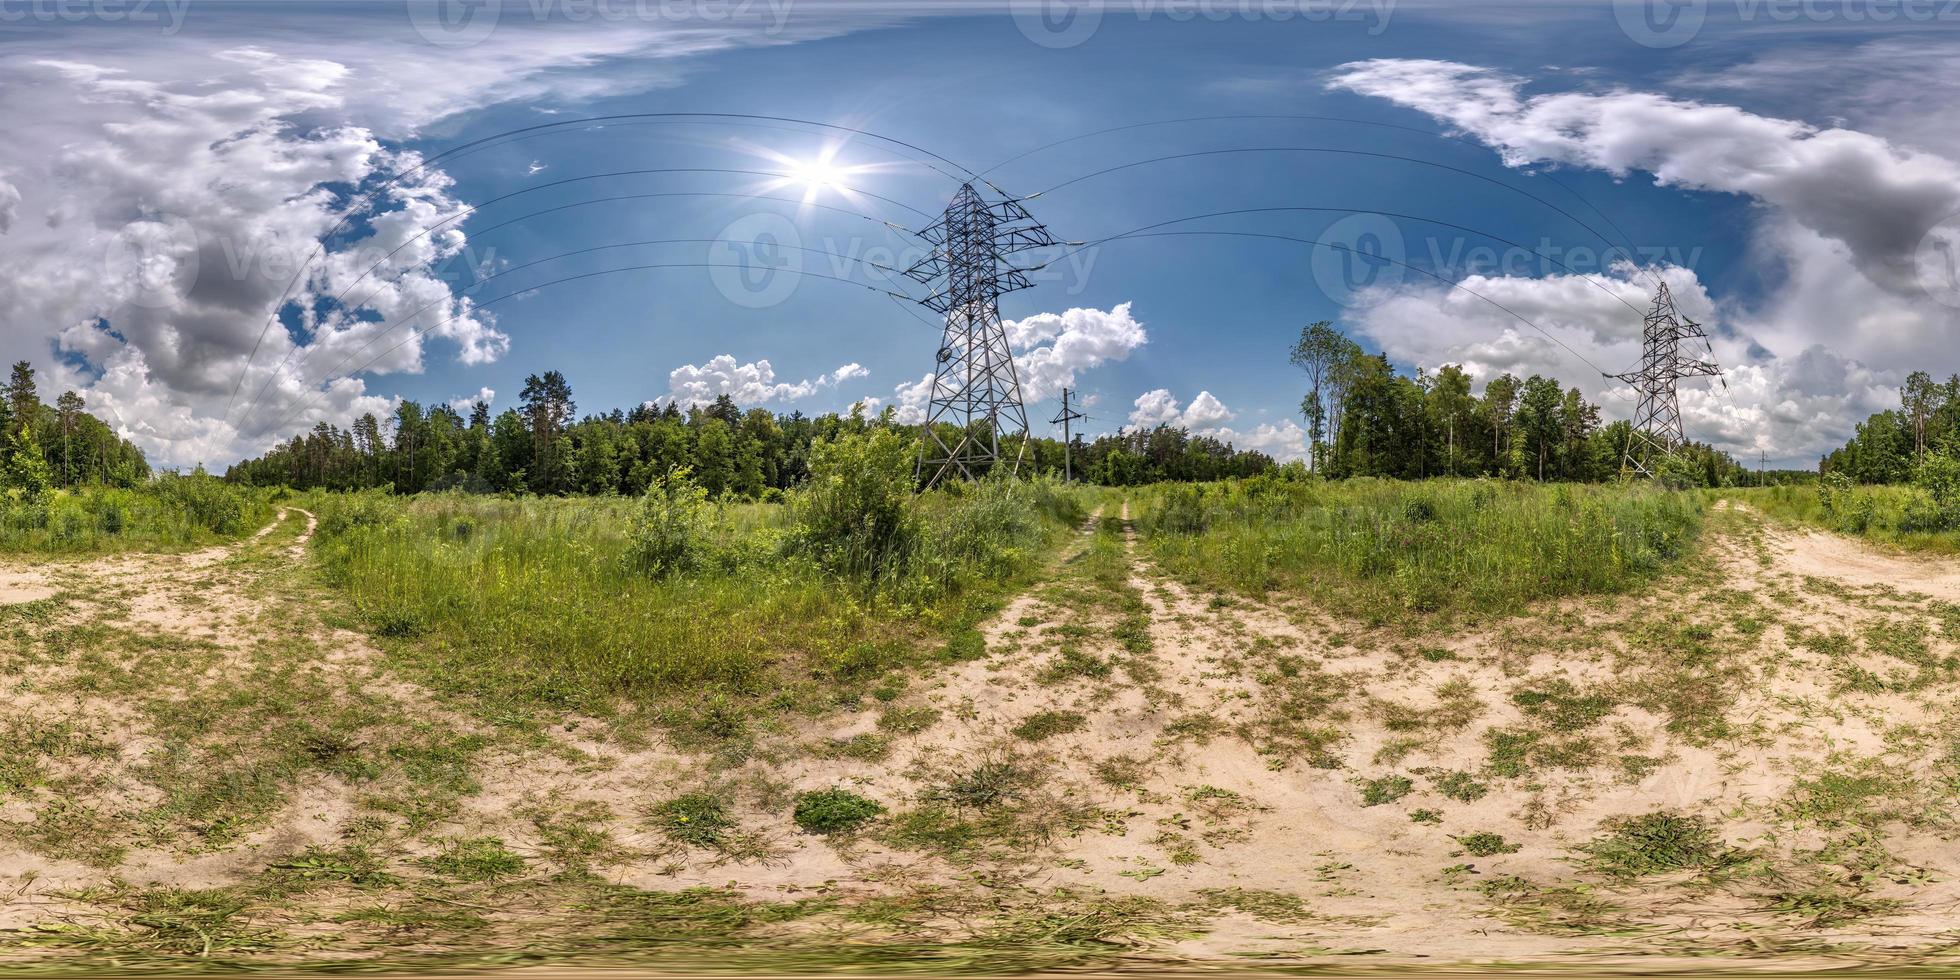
(1824, 909)
(355, 865)
(909, 720)
(1460, 786)
(1485, 844)
(1044, 725)
(1561, 706)
(695, 819)
(985, 786)
(994, 807)
(1566, 910)
(1073, 663)
(834, 811)
(1657, 843)
(1385, 790)
(475, 859)
(197, 922)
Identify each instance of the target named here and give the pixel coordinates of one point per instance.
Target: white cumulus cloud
(1206, 416)
(749, 384)
(462, 404)
(1051, 349)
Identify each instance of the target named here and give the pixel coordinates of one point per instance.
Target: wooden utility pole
(1452, 444)
(1068, 448)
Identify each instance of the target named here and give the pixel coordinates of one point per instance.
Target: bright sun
(814, 174)
(821, 173)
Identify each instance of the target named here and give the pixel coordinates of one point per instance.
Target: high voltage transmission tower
(1657, 425)
(975, 385)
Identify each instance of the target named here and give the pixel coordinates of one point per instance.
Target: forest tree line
(59, 445)
(1364, 418)
(1890, 446)
(542, 446)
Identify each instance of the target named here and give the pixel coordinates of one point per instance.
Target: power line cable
(410, 318)
(1596, 284)
(1308, 118)
(425, 162)
(1521, 318)
(1575, 219)
(342, 295)
(314, 396)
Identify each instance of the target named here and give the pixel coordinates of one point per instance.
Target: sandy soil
(1171, 789)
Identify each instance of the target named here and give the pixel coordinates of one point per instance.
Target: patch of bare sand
(1834, 557)
(24, 585)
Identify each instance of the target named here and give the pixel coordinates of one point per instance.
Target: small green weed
(834, 811)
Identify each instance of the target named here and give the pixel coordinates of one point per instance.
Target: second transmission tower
(975, 386)
(1657, 429)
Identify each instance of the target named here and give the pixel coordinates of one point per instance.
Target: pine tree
(23, 399)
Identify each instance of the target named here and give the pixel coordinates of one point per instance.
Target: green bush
(675, 528)
(1181, 510)
(341, 513)
(208, 502)
(834, 811)
(987, 531)
(1937, 509)
(854, 517)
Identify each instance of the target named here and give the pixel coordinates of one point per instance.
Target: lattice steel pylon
(1657, 422)
(975, 381)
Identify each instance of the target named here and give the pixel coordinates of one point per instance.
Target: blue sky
(1783, 168)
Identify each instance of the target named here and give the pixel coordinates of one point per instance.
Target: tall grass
(550, 601)
(169, 513)
(1383, 549)
(1877, 513)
